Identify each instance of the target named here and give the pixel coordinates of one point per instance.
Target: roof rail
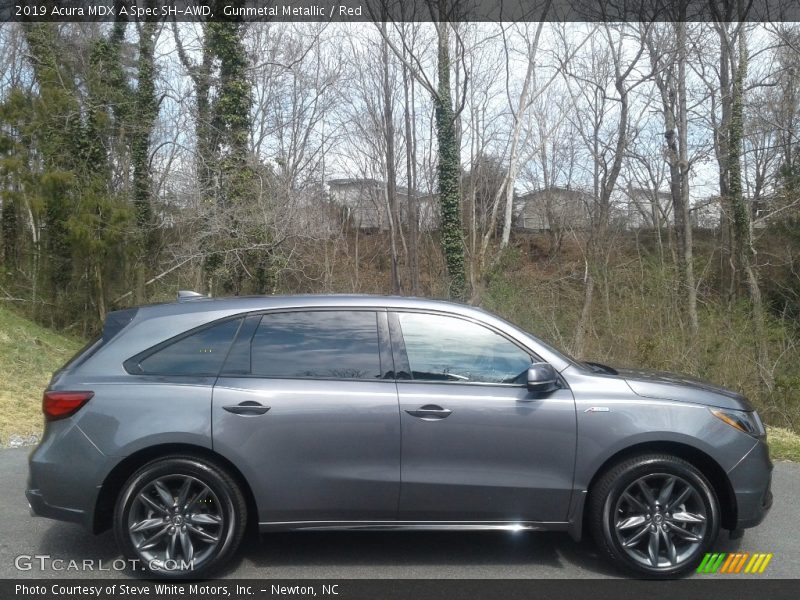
(188, 295)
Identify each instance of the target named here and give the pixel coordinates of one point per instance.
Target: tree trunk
(687, 244)
(10, 229)
(728, 270)
(449, 167)
(744, 252)
(524, 101)
(672, 87)
(578, 345)
(411, 174)
(145, 115)
(391, 171)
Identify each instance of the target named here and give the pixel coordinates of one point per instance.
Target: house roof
(374, 183)
(549, 190)
(639, 192)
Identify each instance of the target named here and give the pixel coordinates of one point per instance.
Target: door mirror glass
(542, 378)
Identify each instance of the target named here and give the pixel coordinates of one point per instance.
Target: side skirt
(411, 526)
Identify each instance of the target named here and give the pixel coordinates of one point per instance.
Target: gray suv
(185, 424)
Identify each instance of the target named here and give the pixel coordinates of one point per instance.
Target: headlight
(748, 422)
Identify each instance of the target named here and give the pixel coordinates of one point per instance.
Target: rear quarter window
(199, 353)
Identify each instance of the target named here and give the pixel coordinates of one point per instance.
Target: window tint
(200, 353)
(320, 344)
(444, 348)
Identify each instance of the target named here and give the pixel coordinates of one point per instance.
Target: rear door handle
(247, 408)
(430, 412)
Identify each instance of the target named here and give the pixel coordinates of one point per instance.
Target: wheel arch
(709, 467)
(116, 478)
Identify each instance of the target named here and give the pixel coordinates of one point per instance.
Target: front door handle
(430, 412)
(247, 408)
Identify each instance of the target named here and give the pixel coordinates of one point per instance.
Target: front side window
(442, 348)
(317, 344)
(198, 354)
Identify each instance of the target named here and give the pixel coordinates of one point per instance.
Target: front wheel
(180, 516)
(656, 514)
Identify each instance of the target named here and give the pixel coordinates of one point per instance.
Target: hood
(683, 388)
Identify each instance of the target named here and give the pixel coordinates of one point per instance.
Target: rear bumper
(40, 508)
(751, 480)
(64, 475)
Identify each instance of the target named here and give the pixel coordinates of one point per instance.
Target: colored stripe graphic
(722, 562)
(765, 563)
(753, 564)
(741, 562)
(701, 568)
(711, 563)
(726, 565)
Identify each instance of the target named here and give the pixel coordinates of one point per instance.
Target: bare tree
(444, 13)
(410, 125)
(600, 87)
(668, 63)
(733, 68)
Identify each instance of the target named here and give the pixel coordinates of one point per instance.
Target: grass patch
(29, 353)
(783, 444)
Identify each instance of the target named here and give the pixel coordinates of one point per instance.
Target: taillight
(60, 405)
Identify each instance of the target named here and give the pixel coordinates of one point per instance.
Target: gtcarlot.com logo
(735, 562)
(45, 562)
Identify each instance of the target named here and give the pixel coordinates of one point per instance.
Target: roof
(367, 182)
(247, 303)
(646, 192)
(550, 190)
(355, 181)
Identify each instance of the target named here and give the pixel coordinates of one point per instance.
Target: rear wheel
(180, 516)
(656, 515)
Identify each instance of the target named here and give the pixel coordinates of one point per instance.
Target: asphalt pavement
(353, 555)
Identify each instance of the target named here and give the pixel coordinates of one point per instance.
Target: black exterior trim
(385, 346)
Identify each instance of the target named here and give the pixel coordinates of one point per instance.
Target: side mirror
(542, 378)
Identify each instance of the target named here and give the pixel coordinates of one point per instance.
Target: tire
(180, 516)
(661, 534)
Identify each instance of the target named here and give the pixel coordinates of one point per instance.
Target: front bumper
(751, 480)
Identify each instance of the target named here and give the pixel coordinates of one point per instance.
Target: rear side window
(198, 354)
(317, 344)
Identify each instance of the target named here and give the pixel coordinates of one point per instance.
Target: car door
(477, 445)
(306, 407)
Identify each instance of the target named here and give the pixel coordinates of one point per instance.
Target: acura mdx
(187, 423)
